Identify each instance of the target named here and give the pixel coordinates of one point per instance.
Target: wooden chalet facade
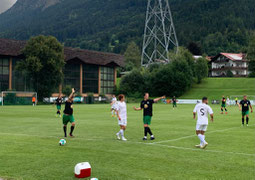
(224, 62)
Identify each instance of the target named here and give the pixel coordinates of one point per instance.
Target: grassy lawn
(214, 88)
(29, 147)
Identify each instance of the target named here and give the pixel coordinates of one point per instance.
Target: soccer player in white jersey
(202, 110)
(121, 110)
(113, 105)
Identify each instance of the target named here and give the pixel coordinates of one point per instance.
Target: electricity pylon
(159, 33)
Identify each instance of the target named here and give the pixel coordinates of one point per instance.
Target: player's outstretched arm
(157, 99)
(72, 93)
(137, 109)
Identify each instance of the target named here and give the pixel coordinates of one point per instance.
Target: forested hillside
(109, 25)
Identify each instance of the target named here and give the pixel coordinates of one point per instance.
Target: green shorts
(67, 119)
(223, 105)
(147, 120)
(245, 113)
(174, 104)
(58, 107)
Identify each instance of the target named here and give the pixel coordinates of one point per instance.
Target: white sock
(200, 136)
(122, 132)
(203, 138)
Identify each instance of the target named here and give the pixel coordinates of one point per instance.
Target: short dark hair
(204, 98)
(145, 93)
(121, 96)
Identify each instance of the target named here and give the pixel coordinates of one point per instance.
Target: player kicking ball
(121, 110)
(146, 105)
(223, 105)
(68, 114)
(202, 110)
(245, 109)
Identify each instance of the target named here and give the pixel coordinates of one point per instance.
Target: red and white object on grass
(82, 170)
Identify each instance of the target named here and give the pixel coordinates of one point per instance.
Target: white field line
(186, 137)
(39, 136)
(196, 149)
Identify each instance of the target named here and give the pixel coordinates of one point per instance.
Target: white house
(225, 62)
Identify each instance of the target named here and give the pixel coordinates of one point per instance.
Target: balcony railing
(229, 68)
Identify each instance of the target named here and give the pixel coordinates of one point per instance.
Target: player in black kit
(68, 114)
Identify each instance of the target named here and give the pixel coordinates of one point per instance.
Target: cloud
(6, 4)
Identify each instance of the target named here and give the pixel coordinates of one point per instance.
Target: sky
(6, 4)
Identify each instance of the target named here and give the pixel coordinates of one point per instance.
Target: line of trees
(172, 79)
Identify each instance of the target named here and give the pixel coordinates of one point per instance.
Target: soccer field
(29, 145)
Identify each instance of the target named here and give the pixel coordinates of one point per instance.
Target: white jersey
(121, 107)
(202, 111)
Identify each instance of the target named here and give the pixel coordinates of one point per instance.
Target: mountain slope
(109, 25)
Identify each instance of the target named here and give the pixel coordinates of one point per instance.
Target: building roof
(13, 48)
(232, 56)
(9, 47)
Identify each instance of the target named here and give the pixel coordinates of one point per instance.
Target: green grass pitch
(29, 147)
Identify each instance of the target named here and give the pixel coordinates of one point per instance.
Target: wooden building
(87, 71)
(237, 64)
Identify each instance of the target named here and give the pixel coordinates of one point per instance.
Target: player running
(245, 109)
(68, 114)
(174, 101)
(121, 110)
(113, 105)
(223, 105)
(58, 103)
(202, 110)
(146, 105)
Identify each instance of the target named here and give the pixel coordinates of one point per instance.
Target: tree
(185, 55)
(67, 90)
(44, 61)
(251, 56)
(201, 69)
(194, 48)
(229, 73)
(132, 83)
(132, 57)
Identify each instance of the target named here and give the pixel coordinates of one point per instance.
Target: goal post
(17, 98)
(240, 97)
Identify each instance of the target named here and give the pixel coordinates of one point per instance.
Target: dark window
(107, 80)
(72, 76)
(90, 78)
(4, 74)
(20, 81)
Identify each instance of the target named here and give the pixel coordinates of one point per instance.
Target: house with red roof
(229, 63)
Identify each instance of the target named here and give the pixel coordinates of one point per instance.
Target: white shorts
(201, 127)
(122, 122)
(114, 107)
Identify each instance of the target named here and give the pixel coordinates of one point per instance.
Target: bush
(172, 79)
(132, 83)
(230, 74)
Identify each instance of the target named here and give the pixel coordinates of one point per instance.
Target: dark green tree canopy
(251, 56)
(132, 56)
(44, 61)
